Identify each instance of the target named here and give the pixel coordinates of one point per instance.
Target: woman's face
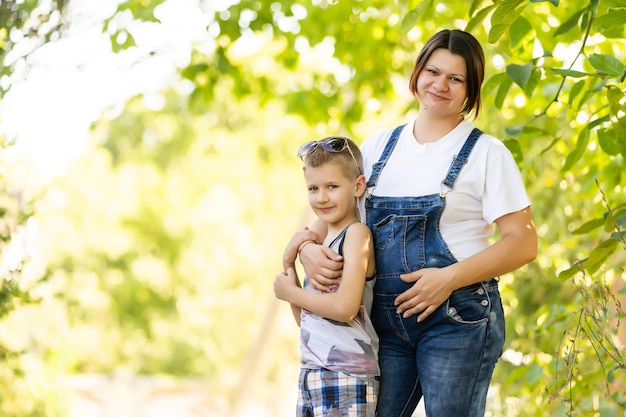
(442, 84)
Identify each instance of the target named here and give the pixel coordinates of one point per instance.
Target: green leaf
(519, 29)
(413, 16)
(608, 141)
(514, 131)
(192, 71)
(589, 226)
(520, 74)
(475, 4)
(409, 21)
(575, 91)
(600, 254)
(569, 73)
(570, 23)
(555, 3)
(598, 122)
(571, 271)
(493, 83)
(615, 98)
(121, 41)
(607, 64)
(478, 18)
(613, 18)
(503, 90)
(534, 374)
(575, 155)
(532, 83)
(502, 18)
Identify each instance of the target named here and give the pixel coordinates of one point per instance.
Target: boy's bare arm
(285, 280)
(344, 304)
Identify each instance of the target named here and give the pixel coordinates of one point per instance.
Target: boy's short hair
(321, 156)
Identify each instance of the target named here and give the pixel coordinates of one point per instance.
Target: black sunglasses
(334, 144)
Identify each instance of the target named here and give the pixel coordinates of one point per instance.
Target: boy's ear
(359, 186)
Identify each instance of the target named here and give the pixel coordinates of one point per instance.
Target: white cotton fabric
(488, 186)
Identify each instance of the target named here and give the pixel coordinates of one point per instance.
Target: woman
(435, 189)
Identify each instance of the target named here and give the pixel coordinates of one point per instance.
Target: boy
(339, 347)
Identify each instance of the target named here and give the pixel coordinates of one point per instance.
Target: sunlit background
(149, 185)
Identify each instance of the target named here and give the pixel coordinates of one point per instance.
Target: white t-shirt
(488, 186)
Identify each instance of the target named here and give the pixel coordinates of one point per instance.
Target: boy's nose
(322, 196)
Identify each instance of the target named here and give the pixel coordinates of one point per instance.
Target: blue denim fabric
(448, 358)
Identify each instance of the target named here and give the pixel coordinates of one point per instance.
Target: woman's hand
(322, 265)
(430, 289)
(291, 251)
(516, 247)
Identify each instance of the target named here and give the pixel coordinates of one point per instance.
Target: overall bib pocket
(399, 243)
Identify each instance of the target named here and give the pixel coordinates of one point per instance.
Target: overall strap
(459, 161)
(382, 161)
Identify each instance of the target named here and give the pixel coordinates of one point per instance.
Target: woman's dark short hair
(465, 45)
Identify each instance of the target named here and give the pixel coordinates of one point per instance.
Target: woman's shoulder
(492, 145)
(492, 151)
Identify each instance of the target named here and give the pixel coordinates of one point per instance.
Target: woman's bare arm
(516, 247)
(291, 250)
(343, 304)
(321, 264)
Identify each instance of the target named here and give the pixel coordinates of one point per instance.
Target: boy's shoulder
(358, 230)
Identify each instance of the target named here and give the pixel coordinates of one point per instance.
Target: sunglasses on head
(334, 144)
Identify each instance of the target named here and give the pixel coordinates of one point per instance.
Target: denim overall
(449, 357)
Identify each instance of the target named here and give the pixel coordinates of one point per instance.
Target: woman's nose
(441, 84)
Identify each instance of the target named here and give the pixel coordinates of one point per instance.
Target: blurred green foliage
(160, 243)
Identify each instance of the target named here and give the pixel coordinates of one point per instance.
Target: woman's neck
(428, 129)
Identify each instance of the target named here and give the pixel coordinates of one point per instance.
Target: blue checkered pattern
(325, 393)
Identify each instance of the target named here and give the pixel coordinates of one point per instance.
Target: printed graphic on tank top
(350, 347)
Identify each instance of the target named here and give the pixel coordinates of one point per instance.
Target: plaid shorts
(324, 393)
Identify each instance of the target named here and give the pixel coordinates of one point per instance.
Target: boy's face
(332, 196)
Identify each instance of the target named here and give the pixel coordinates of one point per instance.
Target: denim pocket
(383, 232)
(468, 305)
(399, 243)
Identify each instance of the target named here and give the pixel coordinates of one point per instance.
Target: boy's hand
(284, 283)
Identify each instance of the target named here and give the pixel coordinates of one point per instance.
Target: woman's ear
(359, 186)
